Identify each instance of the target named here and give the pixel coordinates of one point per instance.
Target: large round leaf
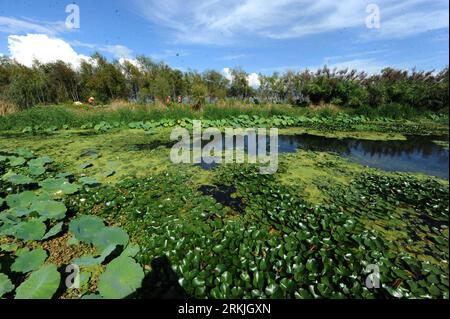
(5, 285)
(42, 284)
(29, 261)
(32, 230)
(19, 179)
(121, 278)
(85, 228)
(110, 236)
(21, 151)
(16, 161)
(36, 170)
(59, 186)
(40, 161)
(20, 203)
(50, 209)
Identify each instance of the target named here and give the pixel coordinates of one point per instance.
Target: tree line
(147, 81)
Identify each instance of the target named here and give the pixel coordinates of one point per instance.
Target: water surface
(415, 154)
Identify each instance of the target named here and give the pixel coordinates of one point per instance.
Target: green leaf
(5, 285)
(42, 284)
(16, 161)
(85, 228)
(131, 250)
(90, 260)
(20, 203)
(32, 230)
(23, 152)
(121, 278)
(110, 236)
(59, 186)
(50, 209)
(18, 179)
(40, 161)
(55, 230)
(88, 181)
(36, 170)
(312, 265)
(258, 280)
(29, 261)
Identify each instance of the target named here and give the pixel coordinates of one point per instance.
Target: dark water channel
(415, 154)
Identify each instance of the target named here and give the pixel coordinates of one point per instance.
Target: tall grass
(78, 116)
(7, 107)
(58, 116)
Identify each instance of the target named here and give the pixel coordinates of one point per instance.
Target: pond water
(416, 154)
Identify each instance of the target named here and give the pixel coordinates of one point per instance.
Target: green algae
(364, 135)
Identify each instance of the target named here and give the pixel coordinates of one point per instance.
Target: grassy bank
(62, 117)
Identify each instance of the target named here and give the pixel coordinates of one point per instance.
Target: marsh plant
(229, 148)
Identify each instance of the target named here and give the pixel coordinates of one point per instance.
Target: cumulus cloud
(252, 78)
(227, 74)
(210, 22)
(131, 61)
(28, 48)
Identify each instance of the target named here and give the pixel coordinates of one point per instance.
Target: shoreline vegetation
(125, 115)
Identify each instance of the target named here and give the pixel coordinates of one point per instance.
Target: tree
(216, 83)
(239, 84)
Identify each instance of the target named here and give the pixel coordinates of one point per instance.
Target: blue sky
(258, 35)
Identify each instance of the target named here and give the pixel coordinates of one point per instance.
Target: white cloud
(12, 25)
(41, 47)
(211, 22)
(131, 61)
(232, 57)
(410, 24)
(252, 78)
(227, 74)
(118, 51)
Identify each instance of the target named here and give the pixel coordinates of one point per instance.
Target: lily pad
(16, 161)
(50, 209)
(90, 260)
(29, 261)
(31, 230)
(59, 186)
(55, 230)
(19, 179)
(20, 203)
(42, 284)
(88, 181)
(110, 236)
(36, 170)
(86, 228)
(5, 285)
(23, 152)
(122, 277)
(40, 161)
